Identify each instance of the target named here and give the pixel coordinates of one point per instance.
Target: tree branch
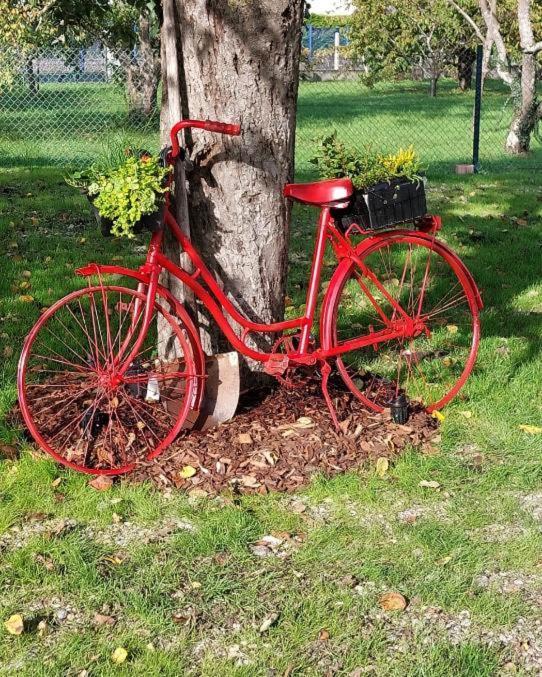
(468, 19)
(534, 49)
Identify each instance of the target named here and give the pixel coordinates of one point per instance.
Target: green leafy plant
(128, 192)
(124, 186)
(365, 167)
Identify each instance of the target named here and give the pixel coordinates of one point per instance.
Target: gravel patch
(510, 583)
(498, 533)
(532, 503)
(119, 534)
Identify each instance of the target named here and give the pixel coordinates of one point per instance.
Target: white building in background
(332, 7)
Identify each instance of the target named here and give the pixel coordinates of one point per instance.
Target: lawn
(174, 581)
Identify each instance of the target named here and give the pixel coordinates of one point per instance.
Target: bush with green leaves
(365, 167)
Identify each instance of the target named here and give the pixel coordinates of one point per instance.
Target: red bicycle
(109, 374)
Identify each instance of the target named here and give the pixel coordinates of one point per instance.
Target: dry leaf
(531, 429)
(429, 484)
(103, 619)
(268, 622)
(198, 493)
(304, 422)
(14, 624)
(452, 328)
(298, 507)
(119, 655)
(466, 414)
(42, 629)
(56, 482)
(382, 465)
(323, 635)
(392, 601)
(443, 560)
(26, 298)
(27, 273)
(7, 352)
(244, 438)
(187, 471)
(8, 451)
(101, 483)
(140, 425)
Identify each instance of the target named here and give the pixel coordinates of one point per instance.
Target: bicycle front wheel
(74, 402)
(438, 333)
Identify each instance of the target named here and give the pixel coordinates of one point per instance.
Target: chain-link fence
(62, 107)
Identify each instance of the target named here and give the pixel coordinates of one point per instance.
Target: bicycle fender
(180, 311)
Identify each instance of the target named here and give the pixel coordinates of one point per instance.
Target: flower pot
(105, 225)
(384, 205)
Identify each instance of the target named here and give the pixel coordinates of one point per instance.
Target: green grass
(350, 528)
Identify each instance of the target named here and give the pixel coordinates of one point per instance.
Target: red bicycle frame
(220, 306)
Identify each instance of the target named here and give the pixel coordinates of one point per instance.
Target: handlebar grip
(222, 128)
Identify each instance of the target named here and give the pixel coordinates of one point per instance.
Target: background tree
(406, 36)
(238, 62)
(511, 31)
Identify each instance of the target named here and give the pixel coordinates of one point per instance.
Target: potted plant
(126, 194)
(390, 188)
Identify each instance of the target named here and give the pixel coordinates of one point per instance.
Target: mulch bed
(279, 439)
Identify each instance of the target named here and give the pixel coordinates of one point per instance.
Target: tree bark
(31, 79)
(433, 82)
(527, 112)
(466, 57)
(142, 73)
(528, 109)
(239, 63)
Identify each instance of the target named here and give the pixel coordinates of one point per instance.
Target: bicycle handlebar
(207, 125)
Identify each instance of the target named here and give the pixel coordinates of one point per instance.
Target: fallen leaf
(14, 624)
(244, 438)
(323, 635)
(298, 507)
(466, 414)
(452, 328)
(187, 471)
(140, 425)
(304, 422)
(42, 629)
(26, 298)
(103, 619)
(429, 484)
(392, 601)
(443, 560)
(382, 465)
(531, 429)
(8, 451)
(27, 273)
(56, 482)
(119, 655)
(268, 622)
(101, 483)
(7, 352)
(198, 493)
(438, 415)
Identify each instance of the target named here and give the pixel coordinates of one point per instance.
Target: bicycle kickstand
(326, 371)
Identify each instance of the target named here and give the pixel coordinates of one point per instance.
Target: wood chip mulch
(279, 439)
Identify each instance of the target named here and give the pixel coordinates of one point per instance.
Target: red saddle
(322, 193)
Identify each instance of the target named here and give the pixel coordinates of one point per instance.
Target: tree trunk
(240, 63)
(31, 79)
(142, 73)
(465, 68)
(527, 111)
(433, 86)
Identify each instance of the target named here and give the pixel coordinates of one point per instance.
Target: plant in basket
(128, 194)
(390, 187)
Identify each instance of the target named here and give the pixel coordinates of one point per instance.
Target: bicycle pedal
(277, 364)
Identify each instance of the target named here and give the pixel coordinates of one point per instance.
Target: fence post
(310, 41)
(336, 51)
(477, 109)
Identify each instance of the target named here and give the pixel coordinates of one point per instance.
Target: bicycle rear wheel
(430, 363)
(73, 400)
